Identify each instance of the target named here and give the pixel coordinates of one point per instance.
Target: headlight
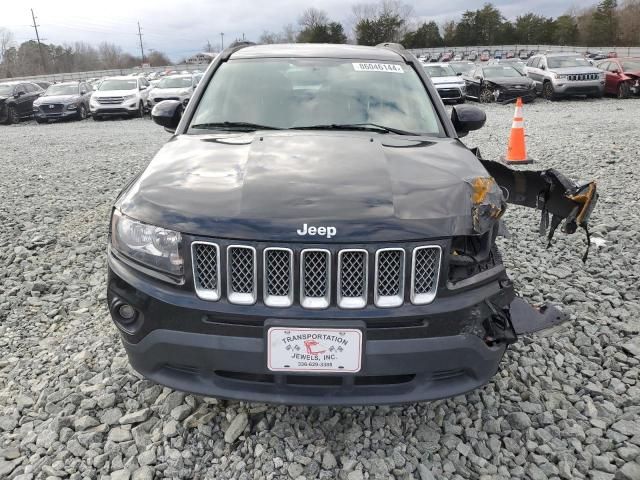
(72, 106)
(561, 76)
(129, 97)
(152, 246)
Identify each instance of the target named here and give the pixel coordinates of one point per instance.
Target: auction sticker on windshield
(378, 67)
(327, 350)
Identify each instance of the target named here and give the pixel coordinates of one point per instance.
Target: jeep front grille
(278, 277)
(583, 76)
(352, 278)
(241, 266)
(206, 270)
(315, 278)
(389, 286)
(356, 283)
(425, 266)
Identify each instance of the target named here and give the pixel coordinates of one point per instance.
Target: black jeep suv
(314, 232)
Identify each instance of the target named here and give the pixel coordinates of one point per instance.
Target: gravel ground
(562, 406)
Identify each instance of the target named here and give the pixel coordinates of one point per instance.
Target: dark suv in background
(315, 232)
(16, 100)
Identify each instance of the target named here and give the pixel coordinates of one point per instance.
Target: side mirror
(459, 74)
(167, 114)
(143, 87)
(466, 118)
(83, 92)
(542, 67)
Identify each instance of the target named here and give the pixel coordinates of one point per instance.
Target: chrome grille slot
(352, 278)
(315, 278)
(278, 277)
(241, 271)
(206, 270)
(110, 100)
(389, 282)
(425, 268)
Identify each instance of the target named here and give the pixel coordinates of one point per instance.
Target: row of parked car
(113, 96)
(551, 76)
(498, 54)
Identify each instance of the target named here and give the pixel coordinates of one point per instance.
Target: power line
(140, 36)
(35, 25)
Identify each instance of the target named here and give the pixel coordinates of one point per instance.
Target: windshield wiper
(374, 127)
(244, 126)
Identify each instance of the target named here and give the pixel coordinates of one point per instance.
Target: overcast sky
(180, 28)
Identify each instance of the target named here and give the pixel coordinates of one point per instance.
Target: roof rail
(392, 46)
(234, 47)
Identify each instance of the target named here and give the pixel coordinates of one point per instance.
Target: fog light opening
(127, 312)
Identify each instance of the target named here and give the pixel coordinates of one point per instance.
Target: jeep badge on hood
(311, 230)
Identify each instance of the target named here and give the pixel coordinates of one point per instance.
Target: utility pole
(35, 25)
(221, 41)
(208, 46)
(141, 47)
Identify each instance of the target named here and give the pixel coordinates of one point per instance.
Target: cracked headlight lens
(155, 247)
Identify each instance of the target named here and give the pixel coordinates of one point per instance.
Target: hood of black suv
(267, 185)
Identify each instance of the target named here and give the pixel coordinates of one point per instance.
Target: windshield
(119, 84)
(6, 89)
(500, 72)
(463, 67)
(440, 71)
(299, 92)
(61, 90)
(567, 62)
(174, 82)
(631, 66)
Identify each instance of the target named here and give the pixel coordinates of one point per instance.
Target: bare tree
(313, 17)
(6, 41)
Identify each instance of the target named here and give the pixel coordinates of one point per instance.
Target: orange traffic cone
(517, 151)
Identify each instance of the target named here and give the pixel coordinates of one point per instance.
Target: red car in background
(622, 76)
(484, 57)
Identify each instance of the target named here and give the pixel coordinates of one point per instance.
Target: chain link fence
(620, 51)
(82, 76)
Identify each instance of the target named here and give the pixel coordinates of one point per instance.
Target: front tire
(140, 113)
(42, 120)
(624, 91)
(548, 92)
(82, 112)
(486, 96)
(12, 115)
(96, 118)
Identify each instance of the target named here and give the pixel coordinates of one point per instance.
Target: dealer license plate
(326, 350)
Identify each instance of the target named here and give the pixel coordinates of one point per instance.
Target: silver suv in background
(120, 96)
(563, 75)
(450, 86)
(63, 101)
(173, 87)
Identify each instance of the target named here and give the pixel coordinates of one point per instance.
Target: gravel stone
(559, 406)
(629, 471)
(135, 417)
(236, 427)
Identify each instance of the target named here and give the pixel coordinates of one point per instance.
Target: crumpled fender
(550, 192)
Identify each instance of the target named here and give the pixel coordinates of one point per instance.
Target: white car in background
(173, 87)
(120, 96)
(449, 85)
